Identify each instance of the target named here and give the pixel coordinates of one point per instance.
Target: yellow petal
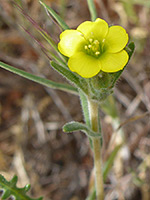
(70, 41)
(116, 39)
(113, 62)
(96, 30)
(83, 64)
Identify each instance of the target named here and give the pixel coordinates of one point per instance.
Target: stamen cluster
(92, 47)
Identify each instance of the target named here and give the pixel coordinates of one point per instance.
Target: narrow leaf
(76, 126)
(13, 181)
(40, 80)
(6, 194)
(92, 9)
(9, 188)
(143, 3)
(19, 2)
(85, 108)
(86, 113)
(27, 187)
(52, 44)
(92, 195)
(70, 76)
(108, 164)
(60, 21)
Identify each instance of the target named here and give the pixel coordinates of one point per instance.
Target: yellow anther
(96, 42)
(89, 46)
(97, 53)
(90, 40)
(86, 47)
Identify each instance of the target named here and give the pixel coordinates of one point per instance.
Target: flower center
(92, 47)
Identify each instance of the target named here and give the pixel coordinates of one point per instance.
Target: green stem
(92, 9)
(94, 117)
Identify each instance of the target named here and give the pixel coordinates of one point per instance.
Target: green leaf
(108, 164)
(10, 189)
(70, 76)
(85, 108)
(92, 9)
(86, 113)
(107, 167)
(49, 40)
(141, 2)
(76, 126)
(60, 21)
(19, 2)
(6, 194)
(40, 80)
(92, 195)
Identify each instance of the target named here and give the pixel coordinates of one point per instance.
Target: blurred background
(32, 143)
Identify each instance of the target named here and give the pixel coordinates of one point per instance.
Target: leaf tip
(27, 187)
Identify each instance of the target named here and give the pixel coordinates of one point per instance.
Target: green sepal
(115, 76)
(101, 86)
(78, 81)
(76, 126)
(130, 49)
(9, 189)
(102, 80)
(98, 94)
(59, 20)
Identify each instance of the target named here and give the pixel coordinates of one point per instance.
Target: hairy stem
(94, 117)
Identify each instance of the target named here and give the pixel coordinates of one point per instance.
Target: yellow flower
(93, 47)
